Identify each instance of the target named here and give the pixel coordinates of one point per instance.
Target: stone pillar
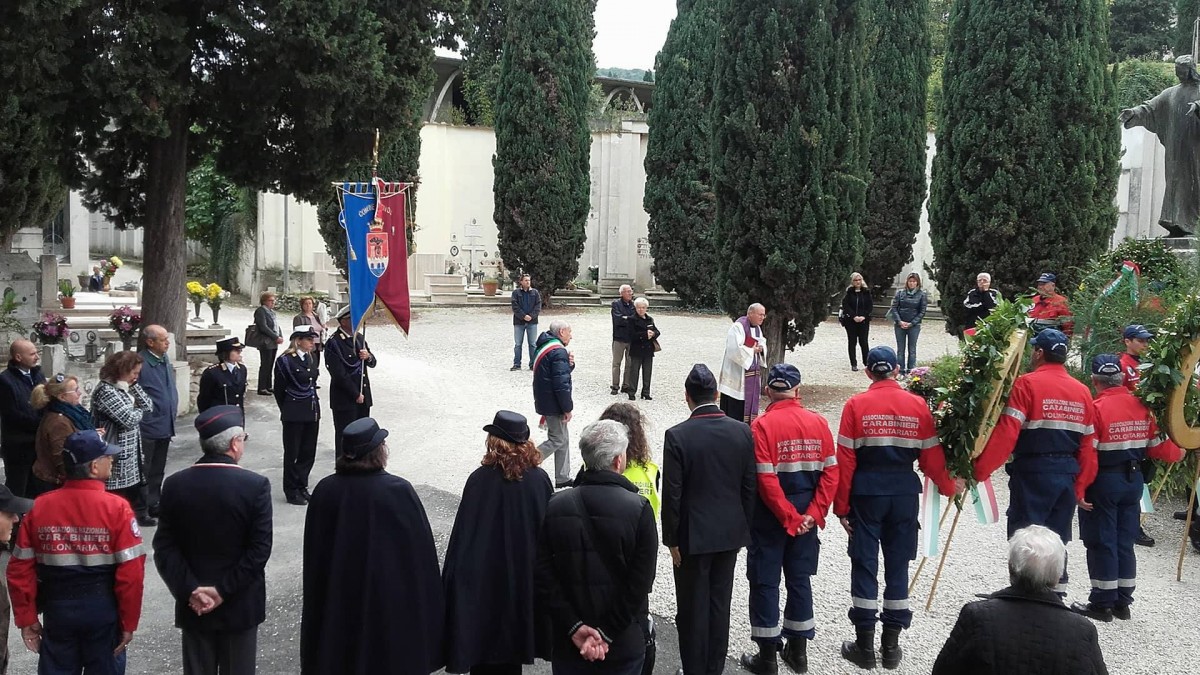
(48, 288)
(54, 358)
(79, 234)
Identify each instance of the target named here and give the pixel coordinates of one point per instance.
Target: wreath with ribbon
(1164, 385)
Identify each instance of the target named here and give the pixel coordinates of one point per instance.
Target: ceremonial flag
(1146, 503)
(931, 507)
(373, 216)
(392, 289)
(358, 210)
(983, 494)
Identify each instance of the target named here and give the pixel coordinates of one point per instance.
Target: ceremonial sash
(987, 511)
(546, 349)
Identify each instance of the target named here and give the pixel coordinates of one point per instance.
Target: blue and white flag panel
(358, 210)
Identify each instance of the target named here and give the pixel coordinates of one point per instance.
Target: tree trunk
(773, 330)
(164, 252)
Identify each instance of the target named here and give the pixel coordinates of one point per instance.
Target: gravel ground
(437, 389)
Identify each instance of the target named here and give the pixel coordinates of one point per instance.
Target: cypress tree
(541, 166)
(1027, 160)
(1143, 28)
(789, 159)
(1186, 12)
(899, 75)
(678, 194)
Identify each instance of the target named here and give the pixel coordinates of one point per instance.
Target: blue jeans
(907, 336)
(526, 333)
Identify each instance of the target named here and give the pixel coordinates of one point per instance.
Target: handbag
(253, 337)
(657, 347)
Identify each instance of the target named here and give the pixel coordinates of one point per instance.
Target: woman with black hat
(300, 412)
(372, 598)
(488, 575)
(224, 383)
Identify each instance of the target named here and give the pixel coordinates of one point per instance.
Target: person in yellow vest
(641, 469)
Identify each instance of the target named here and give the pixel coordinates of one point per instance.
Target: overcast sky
(629, 33)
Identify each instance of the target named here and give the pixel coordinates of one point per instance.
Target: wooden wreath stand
(1010, 368)
(1185, 436)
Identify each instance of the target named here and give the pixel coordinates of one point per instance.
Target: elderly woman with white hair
(1024, 628)
(596, 562)
(981, 300)
(642, 345)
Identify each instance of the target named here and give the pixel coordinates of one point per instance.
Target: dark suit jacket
(214, 529)
(709, 483)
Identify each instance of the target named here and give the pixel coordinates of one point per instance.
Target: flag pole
(362, 375)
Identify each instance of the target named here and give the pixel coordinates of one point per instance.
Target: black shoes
(632, 397)
(1143, 539)
(564, 484)
(264, 392)
(860, 651)
(1182, 515)
(854, 368)
(1122, 612)
(795, 654)
(889, 651)
(645, 396)
(144, 520)
(297, 499)
(514, 368)
(1093, 612)
(613, 391)
(765, 662)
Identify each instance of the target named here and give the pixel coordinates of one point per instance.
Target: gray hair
(983, 275)
(1036, 558)
(557, 326)
(625, 287)
(218, 444)
(641, 302)
(756, 307)
(1110, 380)
(602, 442)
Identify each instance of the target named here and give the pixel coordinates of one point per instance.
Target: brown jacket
(51, 435)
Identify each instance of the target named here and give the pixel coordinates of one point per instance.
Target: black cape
(372, 592)
(488, 576)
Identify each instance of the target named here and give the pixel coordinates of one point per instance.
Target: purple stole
(751, 388)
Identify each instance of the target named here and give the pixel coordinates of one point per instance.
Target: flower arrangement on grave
(921, 382)
(198, 294)
(52, 329)
(125, 321)
(109, 267)
(214, 295)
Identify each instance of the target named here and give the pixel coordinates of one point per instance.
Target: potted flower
(52, 329)
(66, 291)
(126, 322)
(214, 295)
(108, 268)
(198, 295)
(490, 284)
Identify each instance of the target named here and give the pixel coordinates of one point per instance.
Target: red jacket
(1050, 308)
(1125, 431)
(1129, 366)
(883, 431)
(75, 535)
(1046, 424)
(794, 451)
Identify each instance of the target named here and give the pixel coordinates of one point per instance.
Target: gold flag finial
(375, 154)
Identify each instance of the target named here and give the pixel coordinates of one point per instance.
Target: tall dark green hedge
(1186, 12)
(543, 146)
(789, 159)
(899, 74)
(679, 195)
(1026, 169)
(1143, 28)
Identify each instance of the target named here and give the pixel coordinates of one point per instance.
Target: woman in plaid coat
(118, 404)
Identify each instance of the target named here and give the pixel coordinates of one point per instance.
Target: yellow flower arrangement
(197, 292)
(214, 295)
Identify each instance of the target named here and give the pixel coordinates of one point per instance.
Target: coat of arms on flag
(377, 249)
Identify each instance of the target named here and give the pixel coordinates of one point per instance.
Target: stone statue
(1174, 116)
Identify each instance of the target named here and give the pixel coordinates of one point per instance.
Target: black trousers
(136, 496)
(856, 333)
(155, 450)
(266, 366)
(299, 453)
(231, 653)
(496, 669)
(342, 417)
(642, 366)
(17, 474)
(703, 591)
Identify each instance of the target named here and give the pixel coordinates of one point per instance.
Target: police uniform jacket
(1125, 434)
(1046, 423)
(796, 463)
(78, 540)
(883, 431)
(220, 386)
(296, 389)
(346, 372)
(190, 551)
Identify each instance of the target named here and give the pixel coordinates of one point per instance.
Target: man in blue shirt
(526, 304)
(158, 426)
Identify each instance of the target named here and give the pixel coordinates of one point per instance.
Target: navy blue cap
(882, 360)
(82, 447)
(511, 426)
(700, 380)
(1050, 340)
(229, 344)
(218, 418)
(783, 377)
(1136, 332)
(10, 503)
(1047, 278)
(360, 437)
(1106, 364)
(305, 331)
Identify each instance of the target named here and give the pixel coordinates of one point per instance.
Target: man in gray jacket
(158, 426)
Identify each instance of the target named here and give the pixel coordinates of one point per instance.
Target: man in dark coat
(596, 562)
(212, 546)
(710, 487)
(157, 379)
(1024, 628)
(18, 420)
(224, 382)
(347, 359)
(372, 589)
(552, 398)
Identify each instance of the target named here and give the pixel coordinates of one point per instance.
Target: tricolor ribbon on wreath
(374, 218)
